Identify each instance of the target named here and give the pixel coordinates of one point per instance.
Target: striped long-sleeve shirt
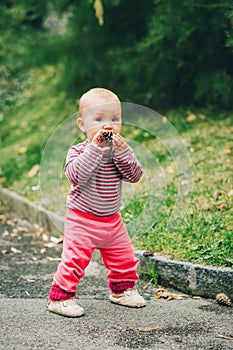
(96, 178)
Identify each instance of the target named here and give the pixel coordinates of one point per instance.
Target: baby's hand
(99, 142)
(119, 143)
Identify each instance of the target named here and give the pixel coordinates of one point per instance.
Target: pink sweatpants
(83, 234)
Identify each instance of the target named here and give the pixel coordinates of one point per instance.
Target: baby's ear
(80, 124)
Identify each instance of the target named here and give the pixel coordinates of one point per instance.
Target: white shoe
(68, 307)
(129, 297)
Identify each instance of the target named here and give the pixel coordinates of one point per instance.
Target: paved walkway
(28, 260)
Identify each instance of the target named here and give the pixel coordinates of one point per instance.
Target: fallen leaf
(22, 149)
(221, 205)
(202, 116)
(50, 245)
(4, 217)
(20, 228)
(217, 194)
(6, 252)
(227, 149)
(38, 234)
(167, 295)
(209, 148)
(53, 259)
(191, 117)
(34, 170)
(14, 234)
(152, 329)
(29, 280)
(28, 234)
(10, 223)
(45, 237)
(55, 239)
(174, 297)
(16, 251)
(224, 337)
(147, 253)
(5, 233)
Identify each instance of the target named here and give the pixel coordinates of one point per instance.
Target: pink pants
(83, 234)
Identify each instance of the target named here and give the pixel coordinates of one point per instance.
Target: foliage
(152, 52)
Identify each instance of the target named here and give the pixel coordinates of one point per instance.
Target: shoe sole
(65, 315)
(132, 306)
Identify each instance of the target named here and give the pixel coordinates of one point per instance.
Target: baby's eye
(115, 120)
(99, 119)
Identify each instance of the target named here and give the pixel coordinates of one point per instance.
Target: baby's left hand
(119, 143)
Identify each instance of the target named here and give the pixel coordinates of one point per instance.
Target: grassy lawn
(205, 233)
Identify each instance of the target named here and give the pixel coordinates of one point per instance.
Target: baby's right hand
(98, 141)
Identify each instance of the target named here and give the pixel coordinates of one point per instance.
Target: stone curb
(195, 279)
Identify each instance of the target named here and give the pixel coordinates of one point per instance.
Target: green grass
(205, 233)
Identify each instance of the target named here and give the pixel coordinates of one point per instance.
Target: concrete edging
(195, 279)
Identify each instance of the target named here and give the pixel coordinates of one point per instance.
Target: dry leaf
(20, 228)
(147, 253)
(5, 233)
(159, 295)
(166, 295)
(209, 148)
(191, 117)
(2, 179)
(50, 245)
(99, 11)
(173, 297)
(53, 259)
(55, 239)
(16, 251)
(34, 170)
(202, 116)
(224, 337)
(22, 149)
(227, 149)
(221, 205)
(4, 217)
(14, 234)
(45, 237)
(38, 234)
(6, 252)
(217, 194)
(10, 223)
(152, 329)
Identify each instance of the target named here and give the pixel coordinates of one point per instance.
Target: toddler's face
(95, 118)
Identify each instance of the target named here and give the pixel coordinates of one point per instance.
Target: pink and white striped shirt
(96, 178)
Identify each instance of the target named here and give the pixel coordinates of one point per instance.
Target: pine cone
(223, 299)
(107, 136)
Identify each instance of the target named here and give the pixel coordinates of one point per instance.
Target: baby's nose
(107, 127)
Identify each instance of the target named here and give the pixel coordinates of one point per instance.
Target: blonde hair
(95, 97)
